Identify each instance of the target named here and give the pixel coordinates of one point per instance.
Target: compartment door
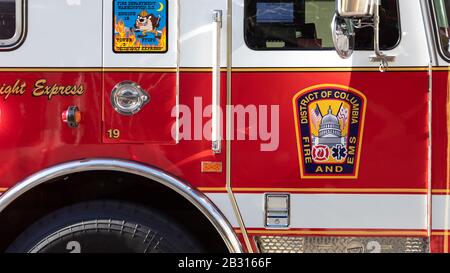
(140, 60)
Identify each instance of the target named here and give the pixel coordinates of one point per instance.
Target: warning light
(72, 116)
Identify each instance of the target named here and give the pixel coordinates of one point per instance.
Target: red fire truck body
(383, 186)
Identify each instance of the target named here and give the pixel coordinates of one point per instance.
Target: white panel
(148, 60)
(62, 33)
(222, 201)
(440, 212)
(412, 50)
(196, 32)
(343, 211)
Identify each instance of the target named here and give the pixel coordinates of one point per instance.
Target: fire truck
(257, 126)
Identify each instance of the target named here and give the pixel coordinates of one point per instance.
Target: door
(347, 142)
(140, 64)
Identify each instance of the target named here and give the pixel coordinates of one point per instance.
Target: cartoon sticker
(140, 26)
(329, 125)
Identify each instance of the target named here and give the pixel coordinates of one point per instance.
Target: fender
(198, 199)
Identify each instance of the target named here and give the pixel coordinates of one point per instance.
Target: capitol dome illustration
(330, 127)
(330, 133)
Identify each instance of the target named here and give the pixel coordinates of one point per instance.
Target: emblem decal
(140, 26)
(329, 121)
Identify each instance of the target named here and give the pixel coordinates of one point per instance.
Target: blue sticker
(140, 26)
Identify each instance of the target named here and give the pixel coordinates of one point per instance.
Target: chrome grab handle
(216, 137)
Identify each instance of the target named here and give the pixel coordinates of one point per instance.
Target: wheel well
(102, 185)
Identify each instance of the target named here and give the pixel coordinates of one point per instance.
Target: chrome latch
(277, 210)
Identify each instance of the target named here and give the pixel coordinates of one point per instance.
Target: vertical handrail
(216, 134)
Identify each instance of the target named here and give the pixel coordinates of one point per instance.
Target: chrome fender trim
(198, 199)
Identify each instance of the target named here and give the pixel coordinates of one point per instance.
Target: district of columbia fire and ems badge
(329, 122)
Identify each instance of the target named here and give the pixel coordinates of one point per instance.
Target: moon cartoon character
(161, 7)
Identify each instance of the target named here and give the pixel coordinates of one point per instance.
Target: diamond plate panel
(286, 244)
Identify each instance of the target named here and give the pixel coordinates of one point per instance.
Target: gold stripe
(340, 232)
(93, 69)
(309, 232)
(224, 189)
(206, 69)
(234, 203)
(352, 190)
(326, 69)
(220, 189)
(200, 69)
(45, 69)
(155, 70)
(441, 191)
(324, 190)
(441, 233)
(196, 69)
(446, 68)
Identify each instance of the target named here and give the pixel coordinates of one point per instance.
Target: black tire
(105, 227)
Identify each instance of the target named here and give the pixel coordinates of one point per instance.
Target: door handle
(216, 134)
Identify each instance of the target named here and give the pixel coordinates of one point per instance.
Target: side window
(305, 24)
(11, 22)
(442, 18)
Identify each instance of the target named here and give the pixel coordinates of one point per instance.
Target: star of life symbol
(339, 152)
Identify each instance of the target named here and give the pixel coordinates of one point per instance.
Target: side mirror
(355, 8)
(343, 36)
(352, 14)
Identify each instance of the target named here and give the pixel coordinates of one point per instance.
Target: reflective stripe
(440, 215)
(336, 211)
(222, 202)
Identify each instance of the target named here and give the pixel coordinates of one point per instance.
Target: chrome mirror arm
(379, 56)
(359, 24)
